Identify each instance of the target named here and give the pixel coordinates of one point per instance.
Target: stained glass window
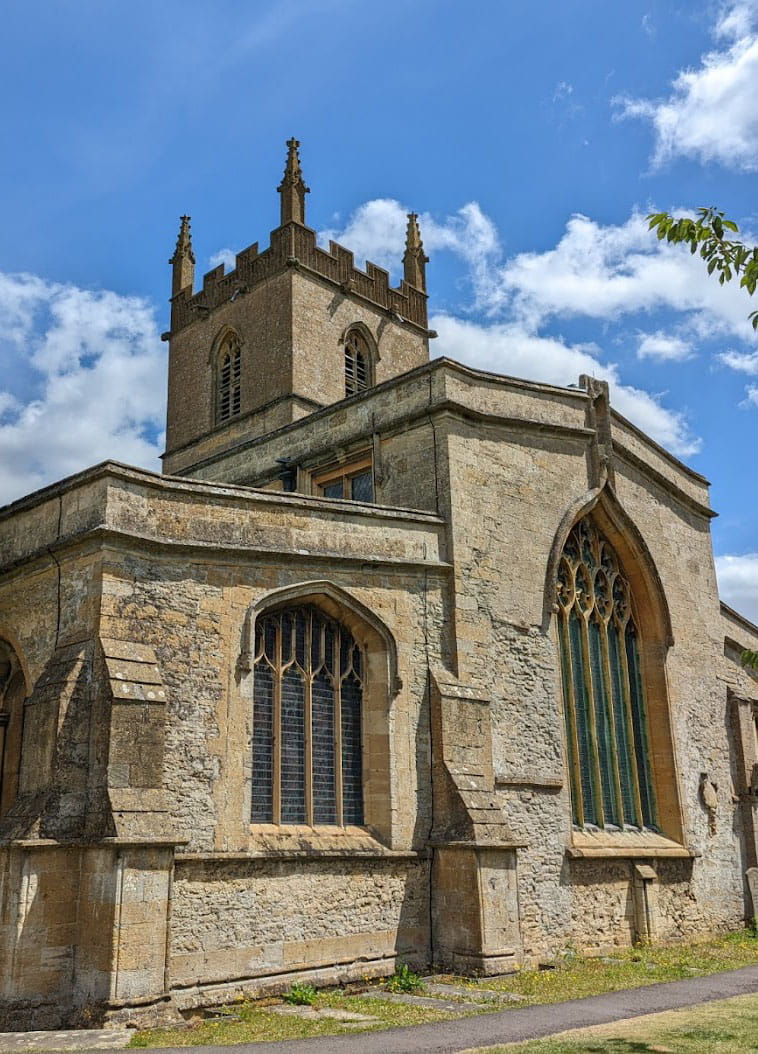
(307, 700)
(229, 381)
(606, 713)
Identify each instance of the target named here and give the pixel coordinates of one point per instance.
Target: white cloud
(227, 257)
(510, 349)
(746, 363)
(751, 397)
(665, 347)
(606, 272)
(648, 26)
(562, 90)
(711, 114)
(594, 272)
(738, 583)
(97, 373)
(376, 232)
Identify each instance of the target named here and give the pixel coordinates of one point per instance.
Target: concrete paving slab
(450, 1005)
(479, 995)
(310, 1013)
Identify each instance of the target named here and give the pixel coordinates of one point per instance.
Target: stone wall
(259, 920)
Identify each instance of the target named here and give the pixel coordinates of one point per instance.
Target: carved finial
(292, 187)
(183, 260)
(414, 260)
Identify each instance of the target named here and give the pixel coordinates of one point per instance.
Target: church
(397, 661)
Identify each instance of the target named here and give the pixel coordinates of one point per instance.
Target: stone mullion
(595, 770)
(570, 705)
(277, 723)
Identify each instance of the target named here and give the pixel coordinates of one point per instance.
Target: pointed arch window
(307, 726)
(12, 691)
(605, 707)
(228, 379)
(357, 363)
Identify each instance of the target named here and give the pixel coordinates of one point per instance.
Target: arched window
(307, 700)
(228, 379)
(606, 712)
(12, 692)
(357, 362)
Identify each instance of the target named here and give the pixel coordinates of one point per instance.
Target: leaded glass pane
(606, 715)
(324, 775)
(352, 761)
(263, 745)
(582, 716)
(298, 720)
(362, 487)
(603, 728)
(293, 748)
(639, 725)
(623, 753)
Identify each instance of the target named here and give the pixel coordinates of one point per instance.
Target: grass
(258, 1023)
(571, 976)
(729, 1026)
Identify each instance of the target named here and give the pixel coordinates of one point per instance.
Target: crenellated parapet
(294, 245)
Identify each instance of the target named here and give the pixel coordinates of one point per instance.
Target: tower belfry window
(605, 707)
(357, 363)
(229, 378)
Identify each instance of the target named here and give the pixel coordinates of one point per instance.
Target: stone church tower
(286, 318)
(397, 660)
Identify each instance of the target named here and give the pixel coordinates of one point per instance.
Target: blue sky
(532, 138)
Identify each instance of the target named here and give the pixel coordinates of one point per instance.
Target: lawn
(729, 1026)
(568, 976)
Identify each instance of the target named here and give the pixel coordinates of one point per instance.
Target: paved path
(510, 1026)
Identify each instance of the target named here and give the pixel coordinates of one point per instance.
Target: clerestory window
(605, 707)
(308, 684)
(228, 379)
(353, 481)
(357, 363)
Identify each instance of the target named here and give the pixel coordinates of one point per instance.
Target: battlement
(294, 245)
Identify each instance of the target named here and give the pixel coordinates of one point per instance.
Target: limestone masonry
(398, 661)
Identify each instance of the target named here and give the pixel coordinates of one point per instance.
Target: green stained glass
(606, 717)
(623, 749)
(581, 715)
(639, 725)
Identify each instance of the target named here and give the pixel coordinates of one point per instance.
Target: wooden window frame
(345, 473)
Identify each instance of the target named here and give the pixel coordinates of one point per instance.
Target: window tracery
(357, 363)
(228, 379)
(605, 708)
(307, 726)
